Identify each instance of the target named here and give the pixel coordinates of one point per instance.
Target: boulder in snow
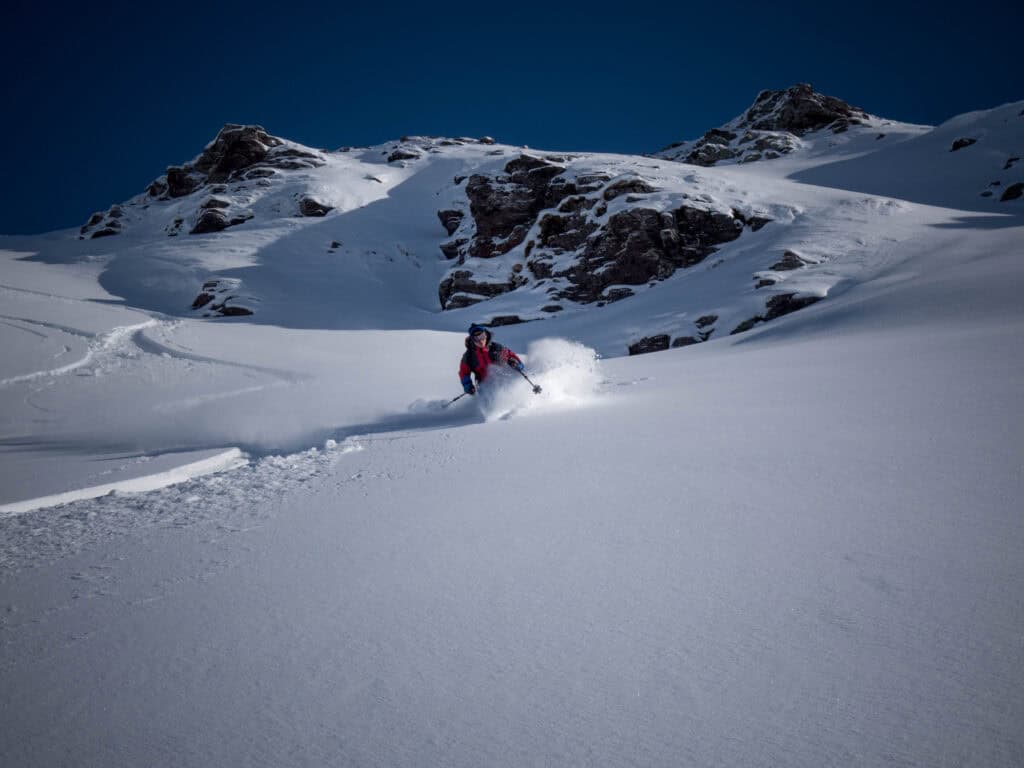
(1012, 192)
(650, 344)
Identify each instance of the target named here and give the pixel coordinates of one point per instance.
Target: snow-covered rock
(475, 230)
(770, 128)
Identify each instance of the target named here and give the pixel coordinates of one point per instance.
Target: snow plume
(567, 372)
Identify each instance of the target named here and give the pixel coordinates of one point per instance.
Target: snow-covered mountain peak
(799, 110)
(777, 123)
(444, 231)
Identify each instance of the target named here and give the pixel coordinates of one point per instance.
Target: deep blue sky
(98, 100)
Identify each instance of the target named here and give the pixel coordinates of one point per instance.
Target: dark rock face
(708, 152)
(461, 289)
(214, 299)
(216, 220)
(565, 233)
(961, 143)
(770, 126)
(1012, 192)
(684, 341)
(754, 222)
(1009, 163)
(631, 247)
(210, 221)
(180, 182)
(785, 303)
(403, 154)
(310, 207)
(789, 261)
(202, 300)
(236, 147)
(450, 220)
(640, 244)
(627, 186)
(112, 222)
(777, 306)
(504, 208)
(649, 344)
(746, 325)
(238, 152)
(505, 320)
(453, 248)
(799, 110)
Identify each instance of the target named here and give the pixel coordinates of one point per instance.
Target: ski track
(164, 349)
(232, 499)
(118, 341)
(17, 327)
(100, 347)
(44, 294)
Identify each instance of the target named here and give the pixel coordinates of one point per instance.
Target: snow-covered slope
(798, 544)
(970, 162)
(369, 238)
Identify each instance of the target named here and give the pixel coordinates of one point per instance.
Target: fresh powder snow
(274, 539)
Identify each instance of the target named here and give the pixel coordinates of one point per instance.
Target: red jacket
(476, 360)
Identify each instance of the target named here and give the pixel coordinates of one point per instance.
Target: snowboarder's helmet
(475, 329)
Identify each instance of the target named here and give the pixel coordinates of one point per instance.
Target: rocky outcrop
(592, 255)
(789, 261)
(504, 207)
(461, 288)
(310, 207)
(216, 220)
(500, 320)
(627, 186)
(770, 128)
(649, 344)
(961, 143)
(1012, 192)
(239, 152)
(799, 110)
(218, 298)
(215, 215)
(777, 306)
(403, 154)
(103, 224)
(450, 220)
(684, 341)
(641, 244)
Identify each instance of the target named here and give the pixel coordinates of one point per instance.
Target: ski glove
(469, 389)
(516, 364)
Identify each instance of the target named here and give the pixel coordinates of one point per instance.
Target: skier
(481, 352)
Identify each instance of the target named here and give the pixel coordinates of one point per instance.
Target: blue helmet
(477, 328)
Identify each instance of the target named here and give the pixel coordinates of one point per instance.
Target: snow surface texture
(799, 545)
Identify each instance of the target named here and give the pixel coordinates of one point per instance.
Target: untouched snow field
(796, 546)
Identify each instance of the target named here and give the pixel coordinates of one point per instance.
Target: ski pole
(454, 399)
(536, 389)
